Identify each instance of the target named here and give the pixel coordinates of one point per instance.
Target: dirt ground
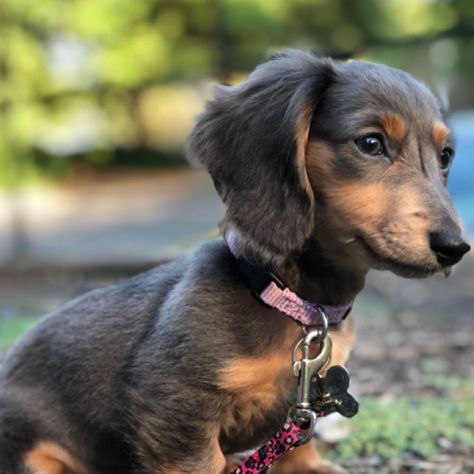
(405, 329)
(402, 322)
(410, 331)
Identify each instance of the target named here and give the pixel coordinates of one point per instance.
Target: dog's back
(62, 351)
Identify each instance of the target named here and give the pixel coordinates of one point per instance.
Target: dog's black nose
(449, 248)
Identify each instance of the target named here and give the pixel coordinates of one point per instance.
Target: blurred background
(96, 101)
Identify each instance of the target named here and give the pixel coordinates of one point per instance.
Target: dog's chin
(407, 270)
(402, 267)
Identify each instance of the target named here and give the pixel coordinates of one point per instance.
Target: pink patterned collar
(271, 291)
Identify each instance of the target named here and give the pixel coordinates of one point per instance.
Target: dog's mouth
(402, 268)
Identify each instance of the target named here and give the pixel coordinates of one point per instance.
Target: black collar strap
(273, 292)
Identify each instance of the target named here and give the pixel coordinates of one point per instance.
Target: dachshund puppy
(326, 170)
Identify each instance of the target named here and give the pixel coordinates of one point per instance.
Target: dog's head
(353, 156)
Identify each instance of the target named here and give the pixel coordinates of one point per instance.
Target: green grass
(401, 426)
(12, 329)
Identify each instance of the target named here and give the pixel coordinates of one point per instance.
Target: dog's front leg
(210, 460)
(305, 460)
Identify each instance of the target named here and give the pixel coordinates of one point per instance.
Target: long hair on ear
(252, 139)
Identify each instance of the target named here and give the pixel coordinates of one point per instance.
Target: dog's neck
(317, 277)
(314, 275)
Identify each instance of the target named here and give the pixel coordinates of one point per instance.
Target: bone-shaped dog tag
(329, 394)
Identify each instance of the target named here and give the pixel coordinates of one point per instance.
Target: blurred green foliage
(100, 81)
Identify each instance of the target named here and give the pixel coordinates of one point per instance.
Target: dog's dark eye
(371, 144)
(446, 158)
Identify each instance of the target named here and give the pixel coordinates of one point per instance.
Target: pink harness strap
(282, 442)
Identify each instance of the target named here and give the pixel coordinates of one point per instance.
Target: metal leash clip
(306, 369)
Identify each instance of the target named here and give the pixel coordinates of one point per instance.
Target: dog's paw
(326, 467)
(231, 462)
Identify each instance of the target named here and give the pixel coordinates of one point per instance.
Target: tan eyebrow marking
(440, 133)
(394, 125)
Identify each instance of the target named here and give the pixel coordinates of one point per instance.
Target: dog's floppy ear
(252, 139)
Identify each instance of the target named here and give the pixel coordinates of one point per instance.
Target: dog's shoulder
(122, 313)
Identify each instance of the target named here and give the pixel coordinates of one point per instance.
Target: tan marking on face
(350, 199)
(394, 125)
(403, 237)
(364, 203)
(349, 206)
(49, 458)
(440, 133)
(355, 199)
(410, 225)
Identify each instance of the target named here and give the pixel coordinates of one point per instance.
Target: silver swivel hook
(306, 368)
